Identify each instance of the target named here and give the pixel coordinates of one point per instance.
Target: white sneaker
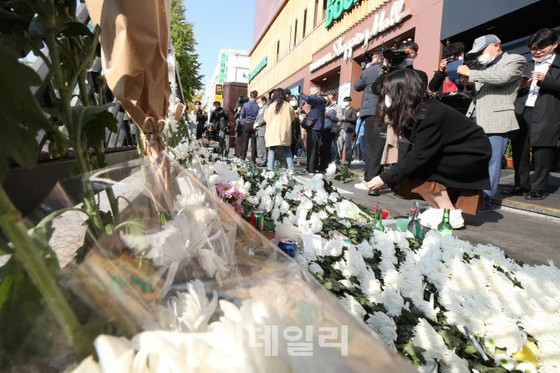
(456, 219)
(361, 186)
(431, 218)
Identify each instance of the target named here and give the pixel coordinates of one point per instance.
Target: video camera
(394, 59)
(367, 59)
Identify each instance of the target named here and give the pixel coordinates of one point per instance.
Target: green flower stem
(65, 91)
(25, 252)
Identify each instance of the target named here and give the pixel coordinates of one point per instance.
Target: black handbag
(308, 123)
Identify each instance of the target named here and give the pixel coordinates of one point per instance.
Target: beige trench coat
(279, 126)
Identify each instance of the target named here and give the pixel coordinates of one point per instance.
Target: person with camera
(315, 122)
(329, 153)
(441, 82)
(219, 128)
(248, 114)
(447, 165)
(372, 139)
(201, 117)
(495, 89)
(537, 108)
(260, 129)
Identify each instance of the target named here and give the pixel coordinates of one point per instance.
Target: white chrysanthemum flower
(214, 179)
(385, 327)
(253, 200)
(526, 367)
(371, 288)
(330, 171)
(334, 197)
(392, 301)
(321, 198)
(333, 248)
(316, 183)
(316, 224)
(284, 207)
(427, 338)
(192, 309)
(347, 284)
(451, 363)
(275, 214)
(330, 209)
(504, 360)
(353, 306)
(505, 332)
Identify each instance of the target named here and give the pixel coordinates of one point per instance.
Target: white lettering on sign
(381, 22)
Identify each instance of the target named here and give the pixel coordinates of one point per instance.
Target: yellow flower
(528, 353)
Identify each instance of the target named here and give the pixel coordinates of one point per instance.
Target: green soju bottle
(444, 227)
(378, 222)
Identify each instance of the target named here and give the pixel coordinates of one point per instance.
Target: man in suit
(495, 89)
(316, 114)
(374, 143)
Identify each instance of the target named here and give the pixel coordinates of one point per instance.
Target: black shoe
(374, 193)
(515, 191)
(487, 207)
(384, 189)
(535, 195)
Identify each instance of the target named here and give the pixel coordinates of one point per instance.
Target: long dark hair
(407, 92)
(278, 96)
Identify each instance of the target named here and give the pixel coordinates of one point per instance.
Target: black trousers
(325, 155)
(249, 135)
(314, 151)
(309, 148)
(375, 144)
(543, 156)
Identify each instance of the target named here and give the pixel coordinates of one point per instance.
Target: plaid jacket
(495, 91)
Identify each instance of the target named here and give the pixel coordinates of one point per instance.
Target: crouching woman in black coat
(447, 165)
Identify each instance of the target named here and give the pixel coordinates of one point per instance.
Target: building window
(304, 24)
(295, 33)
(277, 50)
(317, 16)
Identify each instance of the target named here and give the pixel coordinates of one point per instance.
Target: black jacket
(545, 128)
(449, 148)
(351, 116)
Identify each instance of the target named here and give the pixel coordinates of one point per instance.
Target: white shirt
(541, 67)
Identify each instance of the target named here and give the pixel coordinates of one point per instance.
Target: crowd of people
(442, 140)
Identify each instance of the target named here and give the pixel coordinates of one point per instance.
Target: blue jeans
(360, 149)
(498, 141)
(272, 156)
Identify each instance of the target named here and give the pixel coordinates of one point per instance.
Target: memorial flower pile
(441, 302)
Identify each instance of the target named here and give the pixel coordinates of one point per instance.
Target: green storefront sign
(223, 67)
(335, 9)
(258, 68)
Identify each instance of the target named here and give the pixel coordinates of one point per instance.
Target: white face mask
(293, 103)
(345, 104)
(484, 59)
(260, 105)
(388, 101)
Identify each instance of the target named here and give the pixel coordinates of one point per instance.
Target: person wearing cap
(348, 124)
(538, 112)
(495, 89)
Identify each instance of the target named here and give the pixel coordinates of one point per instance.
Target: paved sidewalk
(528, 231)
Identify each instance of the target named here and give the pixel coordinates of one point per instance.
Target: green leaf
(451, 337)
(92, 121)
(414, 353)
(21, 116)
(76, 29)
(37, 28)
